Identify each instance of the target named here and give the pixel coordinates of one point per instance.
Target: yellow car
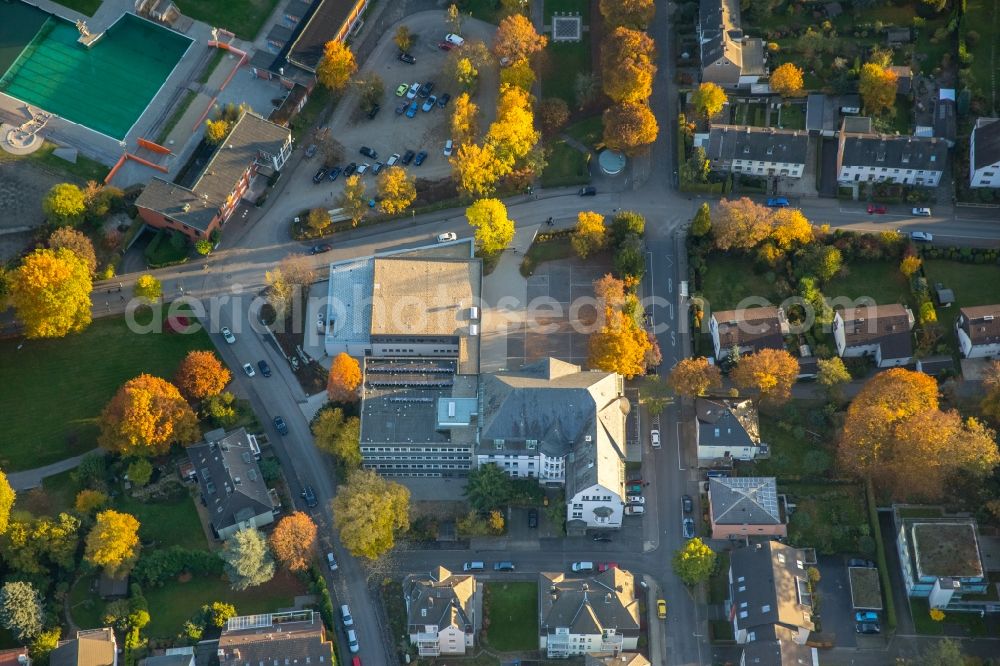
(661, 609)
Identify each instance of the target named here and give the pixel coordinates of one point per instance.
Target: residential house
(728, 58)
(782, 650)
(183, 656)
(620, 659)
(769, 591)
(206, 200)
(746, 506)
(232, 487)
(562, 425)
(984, 153)
(441, 612)
(941, 560)
(879, 331)
(91, 647)
(15, 657)
(595, 615)
(757, 151)
(747, 330)
(728, 429)
(298, 637)
(908, 160)
(978, 331)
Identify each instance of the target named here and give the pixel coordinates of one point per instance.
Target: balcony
(427, 645)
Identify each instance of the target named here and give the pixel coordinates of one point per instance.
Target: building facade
(757, 151)
(867, 157)
(595, 615)
(441, 612)
(978, 331)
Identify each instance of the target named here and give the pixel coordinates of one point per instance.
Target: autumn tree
(637, 14)
(460, 71)
(832, 373)
(88, 501)
(248, 560)
(464, 120)
(877, 86)
(368, 511)
(338, 435)
(694, 562)
(352, 199)
(516, 38)
(619, 346)
(519, 74)
(909, 265)
(494, 230)
(344, 379)
(553, 114)
(944, 651)
(281, 293)
(50, 292)
(21, 611)
(786, 80)
(145, 417)
(610, 291)
(293, 541)
(708, 100)
(371, 89)
(590, 234)
(201, 374)
(216, 131)
(33, 546)
(702, 222)
(337, 65)
(990, 405)
(77, 243)
(628, 127)
(7, 497)
(789, 227)
(692, 377)
(627, 64)
(513, 134)
(113, 542)
(740, 224)
(454, 18)
(476, 169)
(148, 287)
(139, 472)
(64, 204)
(318, 220)
(396, 189)
(403, 39)
(772, 372)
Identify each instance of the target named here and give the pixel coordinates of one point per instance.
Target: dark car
(588, 191)
(309, 495)
(601, 538)
(279, 424)
(320, 249)
(867, 628)
(378, 166)
(407, 157)
(411, 110)
(374, 112)
(334, 172)
(407, 58)
(368, 152)
(443, 100)
(350, 169)
(425, 90)
(419, 159)
(859, 562)
(319, 176)
(532, 518)
(687, 503)
(503, 566)
(401, 109)
(265, 369)
(688, 528)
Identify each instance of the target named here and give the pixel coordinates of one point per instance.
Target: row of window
(417, 466)
(414, 449)
(390, 458)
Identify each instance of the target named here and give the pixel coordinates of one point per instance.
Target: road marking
(673, 339)
(670, 285)
(677, 429)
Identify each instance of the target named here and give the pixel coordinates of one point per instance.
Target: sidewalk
(32, 478)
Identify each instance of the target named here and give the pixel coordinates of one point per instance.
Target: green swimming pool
(105, 87)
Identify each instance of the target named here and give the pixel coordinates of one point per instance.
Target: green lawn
(793, 116)
(979, 17)
(243, 18)
(797, 448)
(831, 518)
(566, 166)
(60, 386)
(86, 607)
(729, 280)
(589, 131)
(718, 584)
(176, 116)
(87, 7)
(512, 609)
(970, 624)
(166, 523)
(973, 284)
(81, 171)
(564, 60)
(880, 280)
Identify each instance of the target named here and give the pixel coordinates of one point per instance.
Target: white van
(352, 641)
(345, 615)
(582, 567)
(635, 510)
(473, 566)
(452, 38)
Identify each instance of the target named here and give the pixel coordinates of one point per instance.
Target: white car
(654, 437)
(921, 212)
(362, 168)
(921, 236)
(412, 92)
(228, 335)
(635, 499)
(446, 237)
(448, 147)
(332, 563)
(247, 368)
(452, 38)
(582, 566)
(352, 641)
(392, 159)
(635, 510)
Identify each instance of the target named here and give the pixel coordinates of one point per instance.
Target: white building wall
(582, 505)
(986, 176)
(852, 174)
(715, 452)
(787, 169)
(451, 640)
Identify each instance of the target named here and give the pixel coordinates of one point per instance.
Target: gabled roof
(441, 598)
(727, 422)
(297, 637)
(780, 650)
(986, 142)
(230, 480)
(588, 605)
(759, 144)
(620, 659)
(885, 325)
(745, 500)
(769, 586)
(92, 647)
(759, 328)
(981, 323)
(892, 152)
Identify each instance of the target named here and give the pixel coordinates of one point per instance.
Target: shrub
(157, 567)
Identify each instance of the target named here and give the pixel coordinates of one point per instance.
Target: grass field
(163, 524)
(793, 116)
(589, 131)
(512, 609)
(880, 280)
(563, 61)
(60, 386)
(538, 253)
(828, 517)
(980, 17)
(729, 280)
(566, 166)
(973, 284)
(80, 172)
(243, 18)
(796, 453)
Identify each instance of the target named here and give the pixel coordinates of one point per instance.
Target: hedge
(883, 567)
(160, 566)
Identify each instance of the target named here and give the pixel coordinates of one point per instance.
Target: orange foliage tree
(345, 378)
(694, 376)
(770, 371)
(629, 126)
(145, 417)
(620, 346)
(786, 80)
(516, 38)
(293, 541)
(740, 223)
(201, 374)
(627, 64)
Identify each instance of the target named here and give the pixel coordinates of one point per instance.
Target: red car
(872, 208)
(604, 566)
(445, 46)
(356, 661)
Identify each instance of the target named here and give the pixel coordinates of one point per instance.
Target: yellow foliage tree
(790, 227)
(786, 80)
(88, 501)
(353, 200)
(494, 230)
(630, 13)
(517, 39)
(396, 190)
(464, 120)
(692, 377)
(113, 542)
(369, 510)
(513, 135)
(937, 614)
(619, 346)
(910, 265)
(518, 74)
(590, 234)
(338, 435)
(496, 522)
(628, 127)
(465, 74)
(216, 131)
(145, 417)
(476, 169)
(318, 220)
(337, 65)
(344, 379)
(708, 100)
(64, 203)
(148, 287)
(877, 86)
(7, 497)
(771, 371)
(50, 292)
(627, 65)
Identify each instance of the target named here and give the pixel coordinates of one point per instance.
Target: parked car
(392, 159)
(687, 504)
(331, 562)
(452, 38)
(449, 146)
(355, 661)
(368, 152)
(320, 249)
(473, 566)
(280, 426)
(412, 92)
(362, 168)
(921, 212)
(412, 110)
(532, 518)
(228, 335)
(604, 566)
(504, 566)
(374, 111)
(716, 474)
(401, 109)
(407, 157)
(688, 528)
(401, 89)
(265, 369)
(407, 58)
(447, 236)
(334, 172)
(867, 628)
(588, 191)
(425, 90)
(879, 210)
(352, 641)
(582, 567)
(248, 368)
(602, 538)
(311, 150)
(320, 175)
(921, 236)
(429, 104)
(860, 562)
(445, 46)
(633, 488)
(443, 100)
(866, 616)
(378, 167)
(309, 495)
(345, 615)
(777, 202)
(654, 438)
(661, 609)
(419, 159)
(634, 510)
(635, 499)
(350, 169)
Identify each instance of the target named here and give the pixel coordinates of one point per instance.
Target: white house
(984, 153)
(978, 331)
(757, 151)
(579, 616)
(908, 160)
(882, 332)
(441, 612)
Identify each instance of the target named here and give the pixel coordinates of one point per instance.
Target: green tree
(702, 223)
(696, 168)
(944, 652)
(494, 230)
(21, 610)
(371, 90)
(832, 373)
(694, 562)
(140, 471)
(64, 204)
(248, 559)
(203, 247)
(488, 487)
(624, 224)
(7, 497)
(403, 39)
(338, 435)
(218, 613)
(369, 511)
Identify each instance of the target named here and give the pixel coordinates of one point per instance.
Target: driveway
(836, 609)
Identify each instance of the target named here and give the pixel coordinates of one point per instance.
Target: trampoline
(106, 87)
